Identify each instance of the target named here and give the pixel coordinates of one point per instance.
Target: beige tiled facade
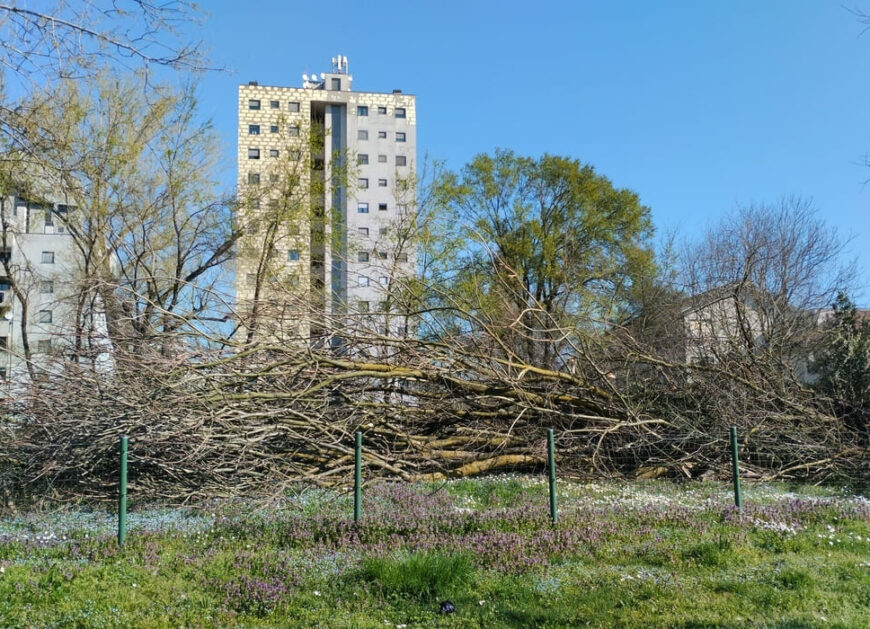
(318, 174)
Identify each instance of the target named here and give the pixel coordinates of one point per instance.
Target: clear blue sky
(699, 106)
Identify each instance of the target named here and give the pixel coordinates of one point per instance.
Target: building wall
(363, 142)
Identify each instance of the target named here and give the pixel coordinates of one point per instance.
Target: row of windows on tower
(292, 130)
(43, 346)
(294, 154)
(255, 105)
(363, 158)
(398, 112)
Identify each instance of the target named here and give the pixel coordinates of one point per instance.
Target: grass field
(622, 555)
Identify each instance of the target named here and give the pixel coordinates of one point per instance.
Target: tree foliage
(549, 247)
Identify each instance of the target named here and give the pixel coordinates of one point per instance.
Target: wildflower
(481, 603)
(316, 593)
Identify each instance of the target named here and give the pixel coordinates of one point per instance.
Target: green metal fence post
(122, 495)
(357, 478)
(735, 467)
(551, 464)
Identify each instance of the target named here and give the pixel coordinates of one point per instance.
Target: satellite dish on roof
(305, 77)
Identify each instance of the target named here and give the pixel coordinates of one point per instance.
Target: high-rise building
(326, 185)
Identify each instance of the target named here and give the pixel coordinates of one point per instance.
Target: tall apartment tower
(325, 180)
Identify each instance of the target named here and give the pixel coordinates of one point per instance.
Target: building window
(336, 85)
(403, 209)
(43, 346)
(382, 135)
(382, 159)
(364, 232)
(362, 159)
(382, 183)
(253, 129)
(362, 134)
(274, 104)
(384, 280)
(362, 256)
(273, 128)
(382, 207)
(293, 131)
(382, 111)
(253, 104)
(46, 287)
(253, 178)
(400, 112)
(400, 136)
(293, 106)
(255, 204)
(253, 153)
(273, 152)
(251, 279)
(293, 229)
(293, 280)
(293, 255)
(362, 183)
(48, 257)
(382, 255)
(43, 316)
(273, 177)
(401, 160)
(362, 280)
(402, 257)
(362, 208)
(362, 306)
(4, 343)
(362, 110)
(384, 231)
(295, 154)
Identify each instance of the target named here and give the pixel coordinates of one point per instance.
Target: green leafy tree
(550, 249)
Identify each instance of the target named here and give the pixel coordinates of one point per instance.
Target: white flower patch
(777, 527)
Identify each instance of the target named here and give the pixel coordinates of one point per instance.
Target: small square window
(382, 135)
(384, 231)
(402, 257)
(362, 183)
(362, 208)
(382, 111)
(253, 129)
(293, 255)
(293, 229)
(362, 134)
(362, 159)
(273, 177)
(364, 232)
(293, 131)
(48, 257)
(253, 153)
(274, 104)
(383, 280)
(382, 183)
(400, 136)
(273, 128)
(382, 255)
(403, 209)
(253, 104)
(401, 160)
(253, 178)
(362, 306)
(362, 280)
(400, 112)
(273, 203)
(362, 256)
(293, 106)
(295, 155)
(336, 85)
(382, 159)
(46, 287)
(43, 346)
(382, 207)
(362, 110)
(4, 342)
(273, 152)
(251, 279)
(255, 204)
(293, 280)
(44, 316)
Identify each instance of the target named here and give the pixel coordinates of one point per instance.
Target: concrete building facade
(38, 266)
(325, 177)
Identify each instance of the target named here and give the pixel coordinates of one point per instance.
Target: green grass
(623, 555)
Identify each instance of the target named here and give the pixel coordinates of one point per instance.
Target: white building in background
(37, 256)
(341, 251)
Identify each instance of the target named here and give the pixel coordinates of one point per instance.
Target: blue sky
(698, 106)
